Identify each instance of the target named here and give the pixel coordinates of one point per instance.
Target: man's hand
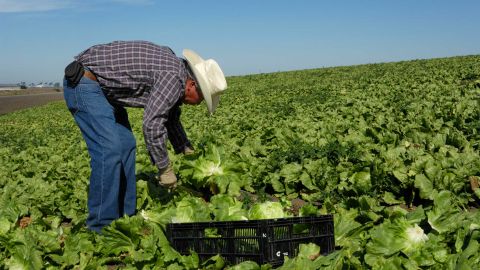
(188, 151)
(167, 178)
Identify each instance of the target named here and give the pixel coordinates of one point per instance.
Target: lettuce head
(266, 210)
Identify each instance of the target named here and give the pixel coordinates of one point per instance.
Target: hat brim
(193, 59)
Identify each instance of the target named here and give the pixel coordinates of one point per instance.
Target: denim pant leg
(111, 146)
(128, 196)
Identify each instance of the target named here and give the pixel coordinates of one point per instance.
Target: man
(107, 77)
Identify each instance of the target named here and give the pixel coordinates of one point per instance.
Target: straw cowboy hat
(209, 76)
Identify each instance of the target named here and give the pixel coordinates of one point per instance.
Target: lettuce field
(392, 150)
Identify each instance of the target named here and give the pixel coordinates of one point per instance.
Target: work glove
(188, 151)
(167, 178)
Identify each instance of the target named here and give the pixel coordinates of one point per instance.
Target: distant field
(29, 91)
(14, 100)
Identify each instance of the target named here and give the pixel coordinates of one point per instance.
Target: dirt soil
(13, 100)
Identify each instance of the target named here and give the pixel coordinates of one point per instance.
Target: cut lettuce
(266, 210)
(397, 236)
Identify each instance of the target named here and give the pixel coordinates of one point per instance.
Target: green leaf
(25, 257)
(277, 185)
(266, 210)
(214, 263)
(444, 217)
(5, 225)
(116, 242)
(246, 265)
(169, 254)
(308, 210)
(431, 170)
(309, 251)
(376, 261)
(417, 215)
(307, 181)
(291, 172)
(75, 246)
(401, 175)
(389, 198)
(425, 186)
(227, 208)
(345, 225)
(362, 181)
(191, 209)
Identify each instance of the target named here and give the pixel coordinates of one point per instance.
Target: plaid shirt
(143, 74)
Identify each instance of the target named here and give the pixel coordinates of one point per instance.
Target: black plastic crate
(262, 241)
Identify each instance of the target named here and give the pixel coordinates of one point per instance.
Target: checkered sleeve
(176, 133)
(163, 97)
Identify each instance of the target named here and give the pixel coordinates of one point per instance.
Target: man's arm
(165, 93)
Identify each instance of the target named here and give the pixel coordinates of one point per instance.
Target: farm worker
(106, 78)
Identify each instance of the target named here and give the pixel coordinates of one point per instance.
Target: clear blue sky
(39, 37)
